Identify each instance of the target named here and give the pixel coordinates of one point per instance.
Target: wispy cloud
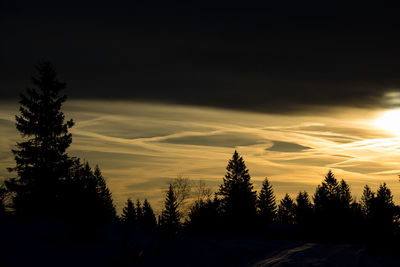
(139, 146)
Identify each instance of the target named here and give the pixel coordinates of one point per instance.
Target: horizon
(140, 147)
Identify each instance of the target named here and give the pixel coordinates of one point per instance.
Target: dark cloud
(287, 147)
(273, 58)
(222, 140)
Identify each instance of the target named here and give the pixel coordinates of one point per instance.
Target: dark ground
(49, 244)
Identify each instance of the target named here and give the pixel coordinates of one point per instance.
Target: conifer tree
(105, 201)
(332, 202)
(326, 197)
(89, 198)
(139, 213)
(129, 213)
(204, 216)
(41, 160)
(367, 200)
(3, 193)
(238, 197)
(170, 216)
(286, 210)
(148, 219)
(266, 203)
(345, 195)
(303, 208)
(384, 209)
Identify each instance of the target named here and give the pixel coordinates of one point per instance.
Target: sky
(164, 89)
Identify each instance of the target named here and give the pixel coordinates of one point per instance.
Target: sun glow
(390, 121)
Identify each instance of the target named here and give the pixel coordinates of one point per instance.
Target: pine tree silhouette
(3, 194)
(129, 213)
(367, 200)
(148, 218)
(41, 161)
(345, 195)
(326, 197)
(105, 202)
(139, 213)
(383, 211)
(380, 216)
(333, 208)
(304, 209)
(170, 216)
(238, 197)
(266, 203)
(286, 210)
(204, 216)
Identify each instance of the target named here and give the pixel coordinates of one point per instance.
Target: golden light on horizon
(390, 121)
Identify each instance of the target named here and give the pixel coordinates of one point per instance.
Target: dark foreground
(54, 244)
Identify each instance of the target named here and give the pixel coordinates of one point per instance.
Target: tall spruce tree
(105, 202)
(238, 197)
(367, 200)
(170, 216)
(129, 213)
(286, 210)
(384, 211)
(148, 218)
(139, 213)
(266, 203)
(326, 197)
(345, 195)
(303, 208)
(332, 202)
(41, 160)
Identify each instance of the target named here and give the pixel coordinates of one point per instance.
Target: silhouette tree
(266, 203)
(204, 216)
(41, 161)
(329, 195)
(170, 216)
(90, 199)
(303, 209)
(286, 210)
(182, 188)
(3, 195)
(383, 211)
(105, 202)
(380, 216)
(202, 191)
(139, 213)
(238, 197)
(148, 218)
(344, 195)
(332, 208)
(129, 213)
(367, 200)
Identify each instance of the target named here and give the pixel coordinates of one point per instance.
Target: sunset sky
(160, 90)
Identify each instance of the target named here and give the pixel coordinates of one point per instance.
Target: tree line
(50, 184)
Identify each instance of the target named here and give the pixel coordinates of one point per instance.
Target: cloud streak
(146, 144)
